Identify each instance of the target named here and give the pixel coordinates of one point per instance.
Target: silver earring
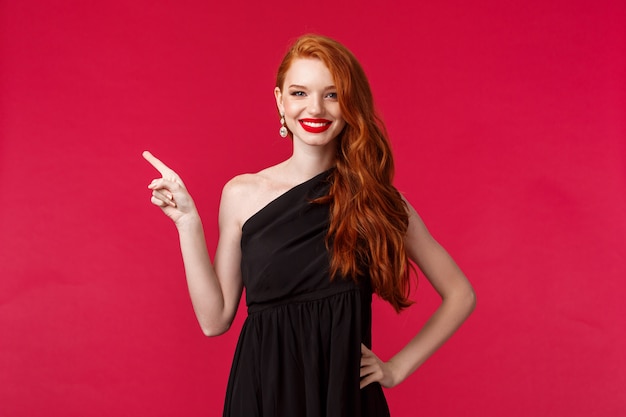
(283, 129)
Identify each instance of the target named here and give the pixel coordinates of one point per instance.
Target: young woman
(311, 239)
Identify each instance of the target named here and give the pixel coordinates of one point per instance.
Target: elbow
(212, 330)
(213, 323)
(469, 300)
(463, 298)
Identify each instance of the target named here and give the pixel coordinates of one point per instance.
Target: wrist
(189, 222)
(397, 374)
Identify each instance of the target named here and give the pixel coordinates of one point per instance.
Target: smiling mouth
(315, 125)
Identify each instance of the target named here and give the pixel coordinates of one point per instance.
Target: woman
(311, 239)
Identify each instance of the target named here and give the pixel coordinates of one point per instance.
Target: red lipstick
(315, 125)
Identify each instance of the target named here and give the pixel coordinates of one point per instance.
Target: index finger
(156, 162)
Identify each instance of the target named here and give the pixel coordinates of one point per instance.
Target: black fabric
(300, 347)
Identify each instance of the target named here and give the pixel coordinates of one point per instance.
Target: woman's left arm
(458, 302)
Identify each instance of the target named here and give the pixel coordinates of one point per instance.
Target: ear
(279, 100)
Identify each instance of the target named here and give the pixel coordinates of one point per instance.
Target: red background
(508, 124)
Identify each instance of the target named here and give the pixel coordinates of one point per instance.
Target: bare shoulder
(246, 187)
(241, 186)
(246, 194)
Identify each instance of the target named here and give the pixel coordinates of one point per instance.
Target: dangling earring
(283, 129)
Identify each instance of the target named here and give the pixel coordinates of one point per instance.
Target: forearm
(452, 312)
(204, 287)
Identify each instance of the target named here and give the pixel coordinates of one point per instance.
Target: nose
(316, 105)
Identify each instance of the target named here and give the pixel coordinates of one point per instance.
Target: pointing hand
(169, 192)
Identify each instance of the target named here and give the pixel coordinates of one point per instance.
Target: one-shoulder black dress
(299, 350)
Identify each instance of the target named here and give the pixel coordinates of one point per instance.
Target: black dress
(299, 350)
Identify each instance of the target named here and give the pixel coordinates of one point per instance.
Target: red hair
(368, 216)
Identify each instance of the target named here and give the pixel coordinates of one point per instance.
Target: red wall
(508, 123)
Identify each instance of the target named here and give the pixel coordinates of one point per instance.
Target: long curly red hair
(368, 216)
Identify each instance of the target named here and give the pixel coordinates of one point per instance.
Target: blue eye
(332, 96)
(297, 93)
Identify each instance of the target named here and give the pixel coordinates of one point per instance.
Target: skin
(215, 287)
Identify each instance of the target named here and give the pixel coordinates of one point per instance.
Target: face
(309, 102)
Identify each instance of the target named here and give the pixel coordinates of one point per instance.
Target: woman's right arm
(215, 289)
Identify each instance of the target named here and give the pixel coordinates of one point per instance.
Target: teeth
(315, 124)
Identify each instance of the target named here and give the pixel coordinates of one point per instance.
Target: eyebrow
(330, 87)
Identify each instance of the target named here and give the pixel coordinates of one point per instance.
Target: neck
(304, 165)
